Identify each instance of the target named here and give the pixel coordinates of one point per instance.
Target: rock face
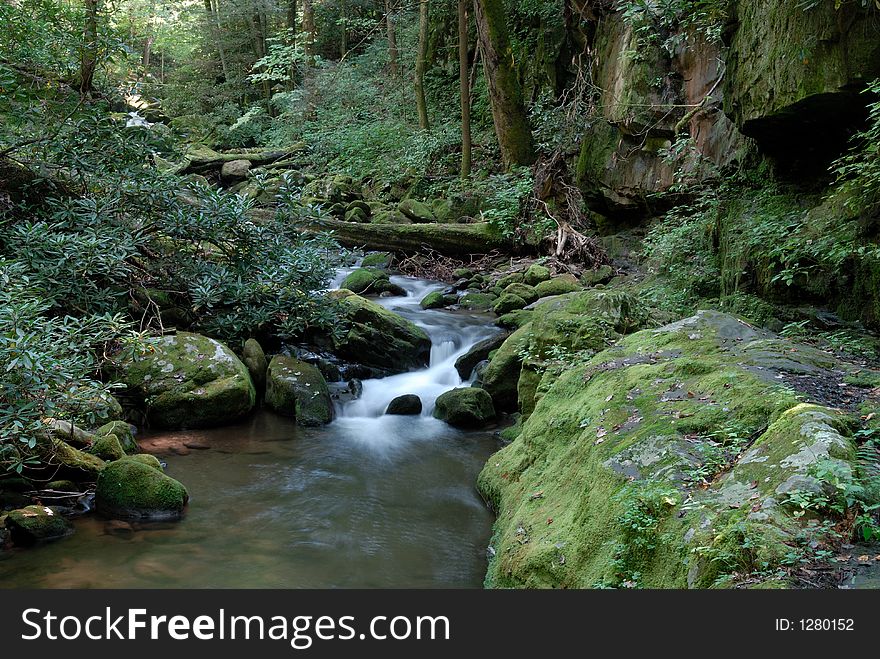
(188, 381)
(33, 524)
(136, 489)
(379, 338)
(692, 444)
(465, 407)
(406, 404)
(800, 94)
(296, 388)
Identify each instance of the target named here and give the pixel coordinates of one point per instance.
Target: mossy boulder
(107, 447)
(370, 281)
(123, 432)
(255, 360)
(510, 278)
(508, 302)
(601, 275)
(437, 300)
(377, 260)
(524, 291)
(663, 462)
(34, 524)
(465, 407)
(188, 381)
(130, 489)
(477, 353)
(67, 461)
(296, 388)
(147, 459)
(535, 274)
(408, 404)
(378, 337)
(477, 301)
(559, 285)
(416, 211)
(356, 215)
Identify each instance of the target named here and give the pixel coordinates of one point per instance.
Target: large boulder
(33, 524)
(131, 488)
(235, 170)
(676, 458)
(255, 359)
(296, 388)
(188, 381)
(379, 338)
(465, 407)
(405, 404)
(370, 281)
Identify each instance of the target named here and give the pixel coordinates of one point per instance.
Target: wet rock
(437, 300)
(368, 281)
(380, 260)
(406, 404)
(188, 381)
(508, 302)
(255, 360)
(69, 462)
(478, 352)
(34, 524)
(131, 488)
(477, 301)
(295, 388)
(465, 407)
(379, 338)
(356, 388)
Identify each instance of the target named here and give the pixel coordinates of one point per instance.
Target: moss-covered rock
(298, 389)
(188, 381)
(33, 524)
(68, 461)
(524, 291)
(147, 459)
(687, 444)
(416, 211)
(107, 447)
(356, 215)
(508, 302)
(559, 285)
(477, 301)
(465, 407)
(601, 275)
(370, 281)
(129, 488)
(437, 300)
(377, 260)
(255, 360)
(68, 432)
(379, 338)
(123, 432)
(535, 274)
(477, 353)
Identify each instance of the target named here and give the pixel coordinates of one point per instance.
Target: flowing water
(367, 501)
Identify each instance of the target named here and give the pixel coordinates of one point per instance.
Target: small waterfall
(452, 335)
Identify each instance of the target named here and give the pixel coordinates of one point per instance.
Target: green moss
(368, 281)
(535, 274)
(298, 389)
(128, 488)
(123, 433)
(416, 211)
(465, 407)
(437, 300)
(508, 302)
(255, 360)
(376, 260)
(524, 291)
(477, 301)
(558, 286)
(107, 447)
(34, 524)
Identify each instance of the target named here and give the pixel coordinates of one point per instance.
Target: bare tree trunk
(162, 66)
(89, 58)
(392, 39)
(505, 93)
(214, 29)
(308, 26)
(343, 16)
(421, 105)
(465, 88)
(291, 17)
(150, 38)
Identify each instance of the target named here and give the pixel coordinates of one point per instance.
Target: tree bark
(505, 93)
(308, 26)
(89, 58)
(392, 39)
(343, 16)
(214, 29)
(421, 104)
(465, 89)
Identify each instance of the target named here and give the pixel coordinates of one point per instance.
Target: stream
(368, 501)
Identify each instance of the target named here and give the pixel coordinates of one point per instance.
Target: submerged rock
(188, 381)
(136, 488)
(33, 524)
(465, 407)
(406, 404)
(296, 388)
(379, 338)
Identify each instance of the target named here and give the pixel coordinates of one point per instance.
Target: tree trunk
(89, 58)
(214, 29)
(343, 18)
(308, 26)
(505, 93)
(291, 18)
(392, 39)
(421, 105)
(465, 89)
